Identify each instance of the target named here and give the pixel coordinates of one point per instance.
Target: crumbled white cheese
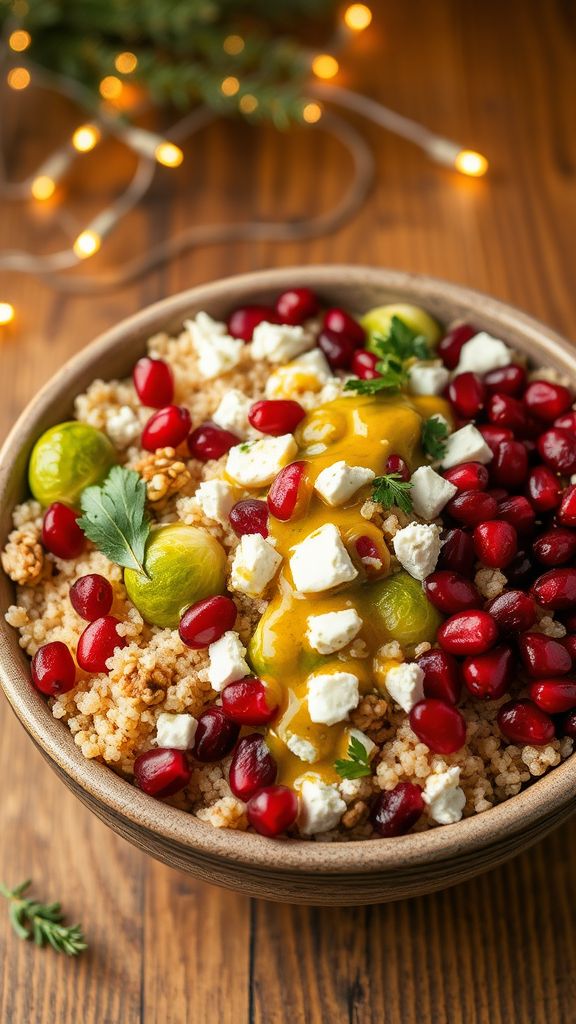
(405, 684)
(279, 343)
(331, 696)
(321, 561)
(321, 806)
(417, 548)
(428, 378)
(232, 413)
(217, 351)
(215, 498)
(315, 363)
(226, 661)
(466, 445)
(302, 748)
(175, 731)
(256, 463)
(445, 798)
(301, 379)
(369, 746)
(338, 482)
(122, 426)
(255, 564)
(430, 492)
(331, 631)
(483, 353)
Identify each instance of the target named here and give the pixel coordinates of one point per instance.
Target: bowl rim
(122, 799)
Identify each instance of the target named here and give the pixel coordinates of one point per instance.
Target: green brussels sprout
(398, 609)
(184, 565)
(68, 458)
(378, 320)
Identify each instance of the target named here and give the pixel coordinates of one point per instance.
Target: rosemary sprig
(390, 490)
(41, 922)
(357, 764)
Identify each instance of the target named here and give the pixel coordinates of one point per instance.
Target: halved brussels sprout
(397, 609)
(68, 458)
(378, 320)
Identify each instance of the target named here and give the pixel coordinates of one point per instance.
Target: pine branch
(41, 922)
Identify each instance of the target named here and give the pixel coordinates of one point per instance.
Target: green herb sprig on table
(41, 922)
(357, 764)
(434, 437)
(393, 350)
(115, 518)
(390, 490)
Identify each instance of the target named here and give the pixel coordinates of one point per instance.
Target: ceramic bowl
(288, 870)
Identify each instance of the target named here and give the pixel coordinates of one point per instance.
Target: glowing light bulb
(43, 187)
(7, 313)
(325, 65)
(248, 103)
(312, 113)
(233, 45)
(126, 62)
(229, 86)
(471, 163)
(357, 17)
(86, 137)
(18, 78)
(168, 154)
(87, 243)
(19, 40)
(111, 87)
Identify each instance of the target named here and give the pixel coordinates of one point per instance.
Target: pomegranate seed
(487, 676)
(471, 632)
(364, 364)
(216, 735)
(249, 516)
(499, 494)
(288, 493)
(510, 464)
(206, 621)
(450, 346)
(543, 489)
(555, 547)
(554, 695)
(531, 450)
(91, 596)
(472, 507)
(97, 644)
(61, 535)
(495, 435)
(395, 811)
(338, 348)
(154, 382)
(547, 401)
(457, 552)
(395, 464)
(161, 772)
(252, 767)
(370, 555)
(340, 322)
(247, 702)
(467, 394)
(567, 422)
(273, 810)
(557, 448)
(569, 725)
(495, 543)
(519, 513)
(441, 676)
(208, 441)
(53, 669)
(276, 417)
(296, 305)
(569, 642)
(166, 428)
(520, 721)
(514, 611)
(567, 510)
(450, 592)
(506, 380)
(505, 411)
(469, 476)
(543, 656)
(556, 589)
(243, 321)
(440, 726)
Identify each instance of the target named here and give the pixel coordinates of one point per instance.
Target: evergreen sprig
(41, 922)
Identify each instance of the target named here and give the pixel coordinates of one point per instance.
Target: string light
(148, 144)
(126, 62)
(168, 154)
(19, 40)
(18, 78)
(7, 313)
(325, 66)
(467, 161)
(229, 86)
(357, 17)
(312, 113)
(248, 103)
(233, 45)
(87, 244)
(110, 87)
(86, 137)
(43, 187)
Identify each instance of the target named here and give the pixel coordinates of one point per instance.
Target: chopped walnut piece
(23, 557)
(163, 473)
(356, 813)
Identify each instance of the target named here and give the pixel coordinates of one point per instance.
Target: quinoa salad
(310, 572)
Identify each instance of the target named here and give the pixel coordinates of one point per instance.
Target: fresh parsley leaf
(393, 490)
(42, 922)
(115, 518)
(357, 764)
(392, 377)
(434, 437)
(401, 341)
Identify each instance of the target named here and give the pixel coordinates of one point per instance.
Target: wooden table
(164, 949)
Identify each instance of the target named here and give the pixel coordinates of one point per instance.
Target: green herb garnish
(394, 350)
(392, 377)
(115, 518)
(357, 764)
(390, 490)
(42, 922)
(434, 437)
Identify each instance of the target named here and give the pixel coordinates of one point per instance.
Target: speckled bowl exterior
(293, 871)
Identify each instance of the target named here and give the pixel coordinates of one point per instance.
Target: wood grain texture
(502, 78)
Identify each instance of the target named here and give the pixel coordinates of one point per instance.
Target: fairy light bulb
(168, 154)
(110, 87)
(7, 313)
(357, 17)
(18, 78)
(233, 45)
(229, 86)
(311, 113)
(126, 62)
(19, 40)
(86, 137)
(467, 161)
(43, 187)
(248, 103)
(325, 66)
(87, 244)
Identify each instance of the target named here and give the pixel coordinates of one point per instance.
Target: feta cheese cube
(483, 353)
(331, 696)
(316, 364)
(302, 748)
(417, 548)
(369, 746)
(255, 564)
(428, 378)
(331, 631)
(217, 352)
(215, 498)
(279, 343)
(226, 661)
(321, 806)
(430, 492)
(256, 463)
(444, 797)
(175, 731)
(122, 426)
(405, 684)
(337, 483)
(232, 413)
(466, 445)
(321, 561)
